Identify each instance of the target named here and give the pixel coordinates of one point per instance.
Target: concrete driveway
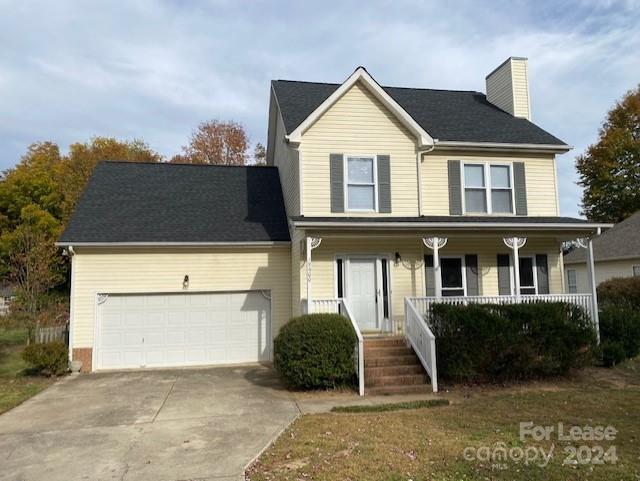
(199, 424)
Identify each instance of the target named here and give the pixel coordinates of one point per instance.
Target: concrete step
(403, 380)
(382, 361)
(373, 372)
(407, 389)
(387, 351)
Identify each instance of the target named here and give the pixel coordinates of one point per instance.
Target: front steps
(390, 367)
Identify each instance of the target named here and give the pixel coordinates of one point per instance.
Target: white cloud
(154, 69)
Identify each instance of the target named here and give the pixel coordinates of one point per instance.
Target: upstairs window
(488, 189)
(361, 183)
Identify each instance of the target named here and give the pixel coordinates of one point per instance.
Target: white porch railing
(340, 306)
(422, 341)
(423, 304)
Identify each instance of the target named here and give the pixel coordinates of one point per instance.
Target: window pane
(360, 170)
(500, 176)
(475, 200)
(451, 272)
(526, 273)
(501, 201)
(474, 175)
(361, 197)
(636, 271)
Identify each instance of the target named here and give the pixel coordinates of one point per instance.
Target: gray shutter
(336, 175)
(471, 267)
(429, 276)
(520, 186)
(455, 188)
(504, 275)
(384, 184)
(542, 273)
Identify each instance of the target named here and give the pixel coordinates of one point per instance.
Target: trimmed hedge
(49, 359)
(621, 292)
(316, 351)
(494, 343)
(619, 334)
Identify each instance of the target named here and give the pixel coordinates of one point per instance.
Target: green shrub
(619, 333)
(316, 351)
(622, 292)
(49, 359)
(493, 343)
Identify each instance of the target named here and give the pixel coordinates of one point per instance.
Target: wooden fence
(52, 333)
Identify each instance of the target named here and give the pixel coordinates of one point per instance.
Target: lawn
(16, 385)
(429, 443)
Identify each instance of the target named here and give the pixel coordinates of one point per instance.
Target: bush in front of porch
(316, 351)
(494, 343)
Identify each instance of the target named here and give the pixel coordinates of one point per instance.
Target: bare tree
(216, 142)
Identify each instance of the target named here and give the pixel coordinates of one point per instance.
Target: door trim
(379, 295)
(98, 320)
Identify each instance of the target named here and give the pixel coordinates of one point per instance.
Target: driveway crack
(175, 379)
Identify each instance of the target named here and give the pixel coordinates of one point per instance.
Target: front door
(362, 292)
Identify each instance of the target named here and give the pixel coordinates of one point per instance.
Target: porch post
(436, 268)
(311, 243)
(591, 272)
(515, 243)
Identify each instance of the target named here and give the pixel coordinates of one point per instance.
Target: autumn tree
(216, 142)
(610, 169)
(259, 154)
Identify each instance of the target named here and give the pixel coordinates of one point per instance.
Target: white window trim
(346, 182)
(464, 275)
(575, 279)
(535, 275)
(487, 187)
(633, 269)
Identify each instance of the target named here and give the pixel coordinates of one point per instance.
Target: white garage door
(163, 330)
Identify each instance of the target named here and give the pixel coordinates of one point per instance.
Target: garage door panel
(156, 330)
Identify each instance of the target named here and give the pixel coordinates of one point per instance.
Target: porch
(385, 283)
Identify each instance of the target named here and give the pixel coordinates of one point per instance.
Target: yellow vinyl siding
(163, 270)
(286, 159)
(605, 270)
(297, 273)
(358, 124)
(539, 172)
(500, 88)
(520, 78)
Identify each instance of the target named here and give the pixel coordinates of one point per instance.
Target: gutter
(176, 244)
(541, 148)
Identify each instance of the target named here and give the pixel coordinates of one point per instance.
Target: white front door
(362, 292)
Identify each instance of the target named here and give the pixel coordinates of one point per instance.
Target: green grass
(380, 408)
(428, 444)
(16, 383)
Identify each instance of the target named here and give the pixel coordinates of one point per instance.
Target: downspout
(419, 170)
(72, 289)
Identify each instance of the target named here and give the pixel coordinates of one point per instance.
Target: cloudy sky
(153, 70)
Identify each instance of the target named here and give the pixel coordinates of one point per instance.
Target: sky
(153, 70)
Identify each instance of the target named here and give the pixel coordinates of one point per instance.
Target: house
(7, 295)
(616, 254)
(376, 202)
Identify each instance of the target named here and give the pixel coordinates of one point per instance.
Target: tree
(30, 257)
(259, 154)
(610, 169)
(216, 142)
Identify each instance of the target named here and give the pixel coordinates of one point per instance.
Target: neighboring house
(373, 196)
(616, 253)
(7, 294)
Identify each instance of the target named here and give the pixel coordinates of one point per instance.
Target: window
(361, 183)
(528, 284)
(636, 271)
(488, 189)
(572, 281)
(452, 274)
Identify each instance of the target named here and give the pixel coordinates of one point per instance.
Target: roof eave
(174, 244)
(505, 147)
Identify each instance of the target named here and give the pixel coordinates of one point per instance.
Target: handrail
(340, 306)
(422, 341)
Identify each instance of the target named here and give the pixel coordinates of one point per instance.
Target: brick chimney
(508, 87)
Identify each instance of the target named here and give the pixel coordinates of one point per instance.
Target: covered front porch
(385, 280)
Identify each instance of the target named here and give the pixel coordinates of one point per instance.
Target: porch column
(311, 243)
(516, 243)
(591, 273)
(435, 244)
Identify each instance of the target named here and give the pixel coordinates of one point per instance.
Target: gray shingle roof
(622, 240)
(147, 202)
(446, 115)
